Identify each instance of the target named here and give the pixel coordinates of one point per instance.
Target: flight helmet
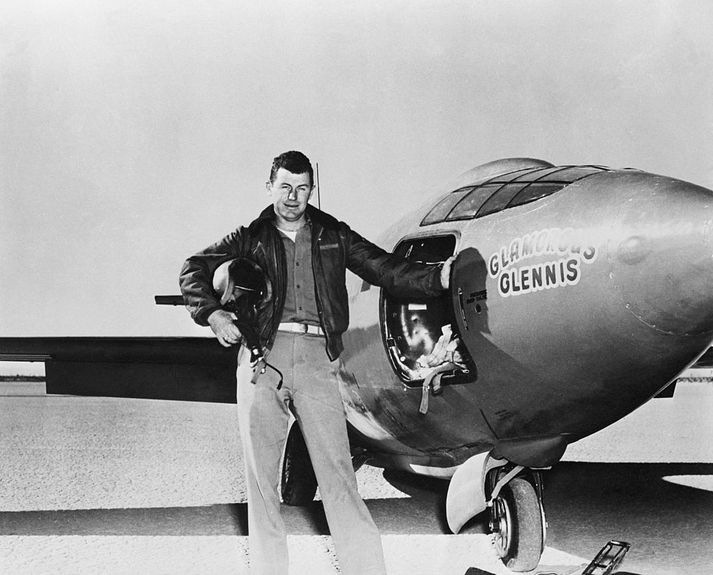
(242, 279)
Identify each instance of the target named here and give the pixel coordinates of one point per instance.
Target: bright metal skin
(557, 363)
(575, 308)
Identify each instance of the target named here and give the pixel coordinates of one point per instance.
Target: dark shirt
(300, 301)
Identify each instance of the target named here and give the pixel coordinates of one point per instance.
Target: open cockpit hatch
(421, 335)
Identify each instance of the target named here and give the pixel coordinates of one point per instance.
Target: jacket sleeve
(395, 274)
(196, 278)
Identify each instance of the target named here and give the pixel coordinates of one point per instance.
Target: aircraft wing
(177, 368)
(706, 360)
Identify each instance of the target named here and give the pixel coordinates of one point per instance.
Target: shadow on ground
(669, 526)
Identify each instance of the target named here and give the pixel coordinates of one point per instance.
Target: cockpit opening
(420, 335)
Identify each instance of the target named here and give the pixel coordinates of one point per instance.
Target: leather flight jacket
(335, 248)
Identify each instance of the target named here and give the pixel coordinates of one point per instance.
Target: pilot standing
(304, 252)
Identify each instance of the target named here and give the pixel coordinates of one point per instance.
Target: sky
(134, 133)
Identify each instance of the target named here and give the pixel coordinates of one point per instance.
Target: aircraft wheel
(516, 522)
(299, 483)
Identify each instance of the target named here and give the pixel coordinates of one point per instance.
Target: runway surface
(100, 485)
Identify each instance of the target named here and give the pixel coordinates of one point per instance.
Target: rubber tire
(526, 541)
(299, 483)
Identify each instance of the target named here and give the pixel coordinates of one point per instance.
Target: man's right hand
(224, 328)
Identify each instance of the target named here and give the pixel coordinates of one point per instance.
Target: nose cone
(661, 258)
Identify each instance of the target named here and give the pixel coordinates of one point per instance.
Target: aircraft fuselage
(576, 307)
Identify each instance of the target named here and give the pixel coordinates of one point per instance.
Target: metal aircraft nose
(662, 256)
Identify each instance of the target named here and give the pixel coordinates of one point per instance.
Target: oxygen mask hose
(261, 367)
(251, 340)
(279, 373)
(257, 357)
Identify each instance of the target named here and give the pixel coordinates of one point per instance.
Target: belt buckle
(303, 328)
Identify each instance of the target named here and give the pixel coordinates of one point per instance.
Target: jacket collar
(314, 216)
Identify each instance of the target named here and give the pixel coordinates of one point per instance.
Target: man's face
(289, 194)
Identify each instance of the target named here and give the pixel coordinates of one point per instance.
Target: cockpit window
(533, 192)
(569, 174)
(500, 200)
(466, 208)
(506, 191)
(441, 209)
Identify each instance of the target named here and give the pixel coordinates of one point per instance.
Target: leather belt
(307, 328)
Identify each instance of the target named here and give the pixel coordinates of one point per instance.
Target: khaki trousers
(310, 391)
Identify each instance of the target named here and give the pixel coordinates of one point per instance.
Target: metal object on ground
(608, 559)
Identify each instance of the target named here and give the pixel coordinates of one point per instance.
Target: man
(304, 252)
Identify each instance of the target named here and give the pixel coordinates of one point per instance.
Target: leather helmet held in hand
(242, 277)
(243, 288)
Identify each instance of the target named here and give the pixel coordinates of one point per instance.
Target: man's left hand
(446, 272)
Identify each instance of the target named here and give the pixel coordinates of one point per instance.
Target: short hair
(294, 162)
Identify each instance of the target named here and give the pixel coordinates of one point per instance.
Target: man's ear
(268, 187)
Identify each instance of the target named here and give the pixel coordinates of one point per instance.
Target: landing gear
(517, 521)
(513, 495)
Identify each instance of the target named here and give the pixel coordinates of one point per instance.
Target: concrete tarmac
(107, 485)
